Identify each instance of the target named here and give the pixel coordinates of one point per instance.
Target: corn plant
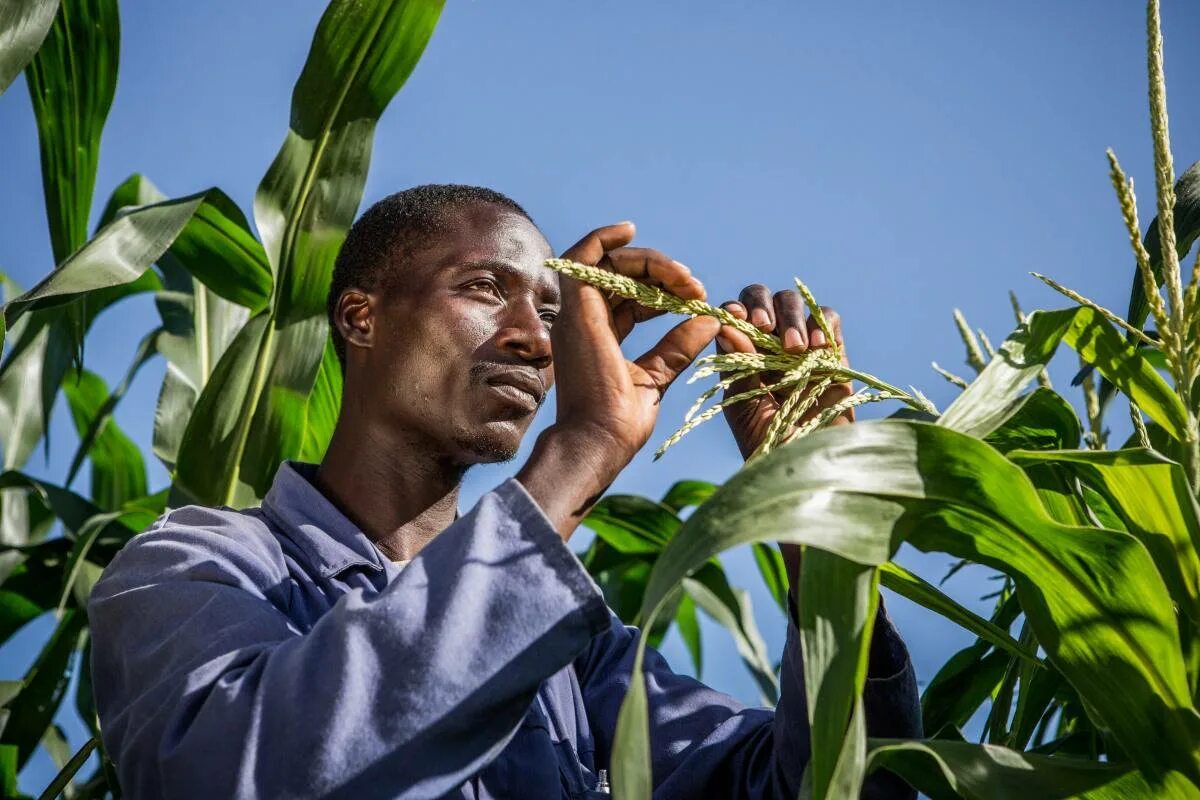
(252, 377)
(1096, 695)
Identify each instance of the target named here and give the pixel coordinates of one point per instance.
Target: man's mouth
(520, 386)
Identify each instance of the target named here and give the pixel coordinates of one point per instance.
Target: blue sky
(904, 159)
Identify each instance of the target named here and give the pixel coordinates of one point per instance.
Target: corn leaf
(709, 588)
(961, 686)
(43, 688)
(197, 328)
(1093, 597)
(23, 27)
(951, 770)
(906, 584)
(836, 603)
(688, 625)
(68, 770)
(687, 493)
(632, 524)
(97, 433)
(72, 80)
(774, 572)
(991, 397)
(117, 255)
(1039, 420)
(217, 248)
(1152, 497)
(324, 402)
(118, 471)
(254, 416)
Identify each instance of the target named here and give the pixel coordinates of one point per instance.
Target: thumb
(591, 248)
(674, 352)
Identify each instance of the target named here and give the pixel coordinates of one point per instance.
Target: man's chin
(491, 443)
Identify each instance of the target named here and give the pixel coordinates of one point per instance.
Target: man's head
(441, 313)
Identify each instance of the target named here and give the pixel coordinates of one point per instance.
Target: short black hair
(395, 224)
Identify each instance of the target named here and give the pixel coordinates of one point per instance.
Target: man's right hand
(607, 405)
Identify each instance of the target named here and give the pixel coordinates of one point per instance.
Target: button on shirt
(274, 653)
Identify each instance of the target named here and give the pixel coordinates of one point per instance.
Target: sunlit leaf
(917, 589)
(252, 415)
(23, 27)
(990, 399)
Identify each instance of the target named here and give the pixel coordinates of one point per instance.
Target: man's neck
(401, 494)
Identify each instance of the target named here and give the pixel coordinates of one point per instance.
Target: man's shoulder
(195, 542)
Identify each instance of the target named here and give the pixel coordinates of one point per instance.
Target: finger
(730, 339)
(816, 336)
(757, 300)
(656, 269)
(591, 248)
(679, 348)
(789, 321)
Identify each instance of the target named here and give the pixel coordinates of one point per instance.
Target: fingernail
(791, 338)
(682, 266)
(817, 338)
(758, 317)
(624, 222)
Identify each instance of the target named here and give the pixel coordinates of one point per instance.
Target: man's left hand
(784, 315)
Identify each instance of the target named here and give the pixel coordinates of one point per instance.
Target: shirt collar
(330, 539)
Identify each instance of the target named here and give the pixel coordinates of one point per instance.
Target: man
(356, 637)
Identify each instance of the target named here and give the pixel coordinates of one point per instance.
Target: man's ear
(355, 318)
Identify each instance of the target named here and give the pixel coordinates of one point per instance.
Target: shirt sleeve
(706, 744)
(206, 688)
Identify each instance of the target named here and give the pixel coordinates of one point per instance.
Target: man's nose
(524, 333)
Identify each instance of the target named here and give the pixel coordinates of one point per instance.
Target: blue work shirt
(273, 653)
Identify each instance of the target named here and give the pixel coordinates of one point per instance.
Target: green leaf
(43, 689)
(323, 405)
(254, 416)
(961, 686)
(85, 539)
(688, 625)
(218, 249)
(258, 391)
(72, 80)
(8, 770)
(774, 572)
(68, 770)
(836, 602)
(23, 28)
(906, 584)
(117, 255)
(197, 328)
(949, 769)
(361, 54)
(1093, 597)
(136, 190)
(632, 524)
(118, 471)
(731, 608)
(687, 493)
(991, 398)
(1152, 496)
(1039, 420)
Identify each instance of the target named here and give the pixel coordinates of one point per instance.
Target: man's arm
(706, 744)
(205, 688)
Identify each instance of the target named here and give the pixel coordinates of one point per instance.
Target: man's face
(460, 355)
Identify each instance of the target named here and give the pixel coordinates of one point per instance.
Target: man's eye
(549, 316)
(485, 285)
